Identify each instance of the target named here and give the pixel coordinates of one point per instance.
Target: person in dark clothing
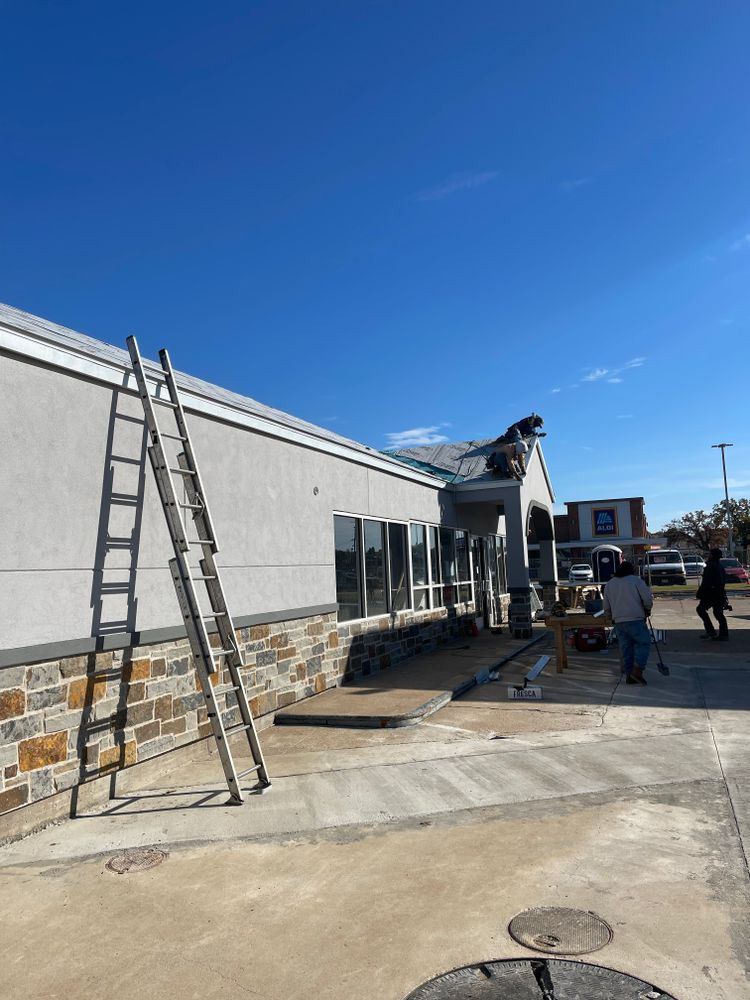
(528, 427)
(712, 594)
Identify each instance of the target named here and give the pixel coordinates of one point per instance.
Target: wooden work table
(575, 619)
(578, 592)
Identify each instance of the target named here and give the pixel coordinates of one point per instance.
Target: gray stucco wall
(62, 434)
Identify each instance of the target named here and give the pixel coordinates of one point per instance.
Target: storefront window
(348, 590)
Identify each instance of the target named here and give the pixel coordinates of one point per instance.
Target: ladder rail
(184, 576)
(233, 660)
(187, 448)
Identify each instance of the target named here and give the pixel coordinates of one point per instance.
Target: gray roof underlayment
(456, 462)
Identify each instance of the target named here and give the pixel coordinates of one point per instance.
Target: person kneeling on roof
(628, 601)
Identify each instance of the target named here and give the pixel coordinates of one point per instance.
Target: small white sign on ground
(532, 692)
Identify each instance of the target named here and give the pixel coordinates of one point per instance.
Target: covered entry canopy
(484, 499)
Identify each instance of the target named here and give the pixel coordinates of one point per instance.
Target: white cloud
(556, 390)
(416, 436)
(458, 182)
(743, 243)
(612, 374)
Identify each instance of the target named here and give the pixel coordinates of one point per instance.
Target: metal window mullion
(361, 566)
(411, 571)
(385, 534)
(407, 567)
(439, 560)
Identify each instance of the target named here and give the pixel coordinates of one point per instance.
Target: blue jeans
(634, 640)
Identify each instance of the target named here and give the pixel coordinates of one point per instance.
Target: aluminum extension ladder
(185, 576)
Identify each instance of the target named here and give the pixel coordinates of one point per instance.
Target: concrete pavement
(381, 858)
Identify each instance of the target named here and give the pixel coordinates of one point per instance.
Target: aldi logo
(605, 520)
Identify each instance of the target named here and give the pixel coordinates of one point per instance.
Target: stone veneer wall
(71, 720)
(368, 647)
(68, 721)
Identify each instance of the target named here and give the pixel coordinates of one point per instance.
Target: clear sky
(416, 216)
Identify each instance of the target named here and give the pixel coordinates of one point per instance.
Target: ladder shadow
(129, 805)
(113, 593)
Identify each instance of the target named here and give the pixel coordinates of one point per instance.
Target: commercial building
(619, 521)
(337, 559)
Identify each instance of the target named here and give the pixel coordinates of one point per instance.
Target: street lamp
(726, 494)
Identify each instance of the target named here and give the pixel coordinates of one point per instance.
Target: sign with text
(529, 693)
(604, 520)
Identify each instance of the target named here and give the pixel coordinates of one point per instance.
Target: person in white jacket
(628, 601)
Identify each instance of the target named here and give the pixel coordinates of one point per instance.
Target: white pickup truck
(662, 567)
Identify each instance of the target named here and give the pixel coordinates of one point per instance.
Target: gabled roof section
(462, 463)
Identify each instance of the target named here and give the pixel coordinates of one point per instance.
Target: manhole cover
(136, 860)
(556, 929)
(537, 979)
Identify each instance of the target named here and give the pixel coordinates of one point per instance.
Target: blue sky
(402, 217)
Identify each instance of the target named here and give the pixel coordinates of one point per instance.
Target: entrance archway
(540, 526)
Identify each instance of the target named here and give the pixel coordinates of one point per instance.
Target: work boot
(637, 674)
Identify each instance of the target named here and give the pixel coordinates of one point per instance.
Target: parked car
(581, 573)
(694, 565)
(735, 571)
(663, 566)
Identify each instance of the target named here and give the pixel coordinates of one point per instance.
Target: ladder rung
(183, 472)
(214, 614)
(248, 770)
(224, 688)
(191, 506)
(174, 437)
(221, 652)
(200, 541)
(242, 726)
(164, 402)
(205, 578)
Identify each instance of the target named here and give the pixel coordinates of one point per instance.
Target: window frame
(385, 522)
(437, 584)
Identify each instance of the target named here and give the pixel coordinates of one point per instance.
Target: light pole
(726, 494)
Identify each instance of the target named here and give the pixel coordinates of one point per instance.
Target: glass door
(478, 562)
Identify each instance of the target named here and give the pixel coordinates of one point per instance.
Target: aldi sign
(605, 520)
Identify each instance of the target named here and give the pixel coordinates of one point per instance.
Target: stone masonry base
(66, 723)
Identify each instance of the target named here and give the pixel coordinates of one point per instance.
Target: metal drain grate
(139, 859)
(558, 930)
(537, 979)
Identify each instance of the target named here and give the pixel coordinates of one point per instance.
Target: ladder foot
(263, 786)
(234, 800)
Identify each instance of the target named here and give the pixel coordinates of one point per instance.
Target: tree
(702, 530)
(740, 514)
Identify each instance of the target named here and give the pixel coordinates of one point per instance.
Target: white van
(663, 566)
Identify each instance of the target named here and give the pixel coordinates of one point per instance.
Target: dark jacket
(713, 582)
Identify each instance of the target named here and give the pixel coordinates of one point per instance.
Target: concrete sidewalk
(408, 692)
(381, 858)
